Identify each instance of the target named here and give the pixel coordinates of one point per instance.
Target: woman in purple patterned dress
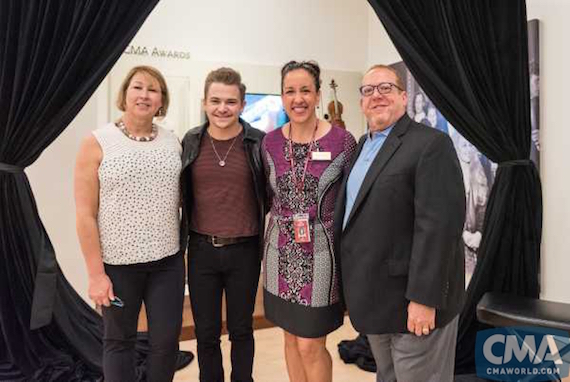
(304, 162)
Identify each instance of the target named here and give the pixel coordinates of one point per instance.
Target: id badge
(301, 228)
(321, 155)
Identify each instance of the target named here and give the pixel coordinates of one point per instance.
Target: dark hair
(226, 76)
(311, 67)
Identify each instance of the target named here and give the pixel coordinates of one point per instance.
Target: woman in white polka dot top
(127, 199)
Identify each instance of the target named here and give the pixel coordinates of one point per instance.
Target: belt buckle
(215, 243)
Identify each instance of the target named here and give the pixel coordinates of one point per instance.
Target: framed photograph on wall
(534, 74)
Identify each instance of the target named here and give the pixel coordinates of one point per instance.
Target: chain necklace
(222, 161)
(153, 133)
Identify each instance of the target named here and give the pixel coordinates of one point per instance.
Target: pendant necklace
(222, 161)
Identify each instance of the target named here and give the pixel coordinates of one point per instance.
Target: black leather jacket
(252, 138)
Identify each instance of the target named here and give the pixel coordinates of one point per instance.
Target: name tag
(321, 155)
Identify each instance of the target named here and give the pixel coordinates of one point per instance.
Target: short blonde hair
(399, 81)
(154, 73)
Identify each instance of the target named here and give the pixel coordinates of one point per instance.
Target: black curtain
(471, 58)
(53, 55)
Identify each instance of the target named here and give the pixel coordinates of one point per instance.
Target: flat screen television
(264, 111)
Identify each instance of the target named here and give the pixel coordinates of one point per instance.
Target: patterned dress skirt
(301, 280)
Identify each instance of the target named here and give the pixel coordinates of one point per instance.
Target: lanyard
(300, 185)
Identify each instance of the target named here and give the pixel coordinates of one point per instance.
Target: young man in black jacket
(223, 188)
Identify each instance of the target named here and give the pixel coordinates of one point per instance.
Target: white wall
(263, 32)
(380, 48)
(554, 139)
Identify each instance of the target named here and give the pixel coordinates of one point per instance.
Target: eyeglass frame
(377, 87)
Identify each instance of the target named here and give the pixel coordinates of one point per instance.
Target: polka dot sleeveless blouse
(139, 196)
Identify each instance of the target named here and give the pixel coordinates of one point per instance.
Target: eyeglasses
(382, 87)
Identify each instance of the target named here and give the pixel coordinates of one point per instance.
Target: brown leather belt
(219, 242)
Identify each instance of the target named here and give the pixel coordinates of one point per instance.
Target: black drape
(471, 59)
(53, 55)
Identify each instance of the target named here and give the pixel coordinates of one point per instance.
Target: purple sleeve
(349, 149)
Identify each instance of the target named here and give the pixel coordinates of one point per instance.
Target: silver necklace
(153, 133)
(222, 162)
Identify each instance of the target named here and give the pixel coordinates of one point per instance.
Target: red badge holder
(301, 228)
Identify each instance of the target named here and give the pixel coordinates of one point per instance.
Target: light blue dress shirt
(370, 149)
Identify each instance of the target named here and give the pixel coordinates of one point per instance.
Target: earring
(160, 112)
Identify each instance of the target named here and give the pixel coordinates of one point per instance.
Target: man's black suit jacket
(402, 241)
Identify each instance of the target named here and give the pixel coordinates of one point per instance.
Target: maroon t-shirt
(224, 196)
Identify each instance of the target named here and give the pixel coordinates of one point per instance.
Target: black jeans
(160, 284)
(211, 271)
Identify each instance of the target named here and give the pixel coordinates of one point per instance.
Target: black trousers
(160, 284)
(211, 271)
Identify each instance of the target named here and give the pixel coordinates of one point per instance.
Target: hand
(421, 319)
(101, 289)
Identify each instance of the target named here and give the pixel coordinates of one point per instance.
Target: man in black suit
(398, 226)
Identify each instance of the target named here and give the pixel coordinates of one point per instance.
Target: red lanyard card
(301, 228)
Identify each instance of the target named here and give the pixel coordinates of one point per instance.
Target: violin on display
(335, 108)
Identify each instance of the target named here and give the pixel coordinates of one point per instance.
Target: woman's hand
(101, 289)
